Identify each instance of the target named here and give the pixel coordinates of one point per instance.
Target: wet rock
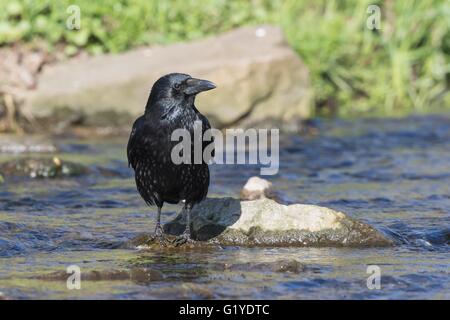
(25, 144)
(147, 242)
(254, 68)
(264, 222)
(287, 265)
(257, 188)
(42, 168)
(145, 275)
(138, 275)
(198, 290)
(187, 290)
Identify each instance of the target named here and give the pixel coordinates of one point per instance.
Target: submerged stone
(148, 242)
(264, 222)
(138, 275)
(282, 265)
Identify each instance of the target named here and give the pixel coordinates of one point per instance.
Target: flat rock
(258, 76)
(146, 241)
(264, 222)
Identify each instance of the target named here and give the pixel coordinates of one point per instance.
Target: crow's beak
(194, 86)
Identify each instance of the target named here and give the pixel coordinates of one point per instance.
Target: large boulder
(264, 222)
(258, 75)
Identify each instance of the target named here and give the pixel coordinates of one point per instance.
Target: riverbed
(391, 173)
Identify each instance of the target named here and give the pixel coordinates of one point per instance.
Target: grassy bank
(403, 67)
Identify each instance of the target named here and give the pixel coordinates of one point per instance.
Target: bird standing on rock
(170, 106)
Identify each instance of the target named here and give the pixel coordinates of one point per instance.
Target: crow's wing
(133, 143)
(206, 126)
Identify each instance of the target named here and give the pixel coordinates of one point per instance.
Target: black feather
(149, 148)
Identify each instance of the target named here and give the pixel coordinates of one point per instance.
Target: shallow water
(393, 174)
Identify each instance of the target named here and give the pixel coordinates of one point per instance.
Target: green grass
(118, 25)
(402, 68)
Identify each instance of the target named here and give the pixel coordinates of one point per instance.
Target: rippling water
(393, 174)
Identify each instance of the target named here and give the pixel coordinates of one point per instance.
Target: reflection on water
(393, 174)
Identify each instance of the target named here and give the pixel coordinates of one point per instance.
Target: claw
(159, 232)
(159, 235)
(185, 238)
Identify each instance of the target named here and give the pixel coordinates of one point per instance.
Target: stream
(391, 173)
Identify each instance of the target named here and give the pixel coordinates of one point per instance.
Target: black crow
(170, 106)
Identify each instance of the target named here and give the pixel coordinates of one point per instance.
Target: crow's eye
(177, 86)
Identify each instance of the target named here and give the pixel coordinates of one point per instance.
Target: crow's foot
(182, 239)
(159, 236)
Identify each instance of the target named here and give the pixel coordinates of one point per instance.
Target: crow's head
(178, 87)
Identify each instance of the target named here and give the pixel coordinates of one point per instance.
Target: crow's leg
(159, 232)
(186, 235)
(183, 211)
(158, 229)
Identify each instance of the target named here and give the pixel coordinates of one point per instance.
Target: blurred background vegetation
(404, 67)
